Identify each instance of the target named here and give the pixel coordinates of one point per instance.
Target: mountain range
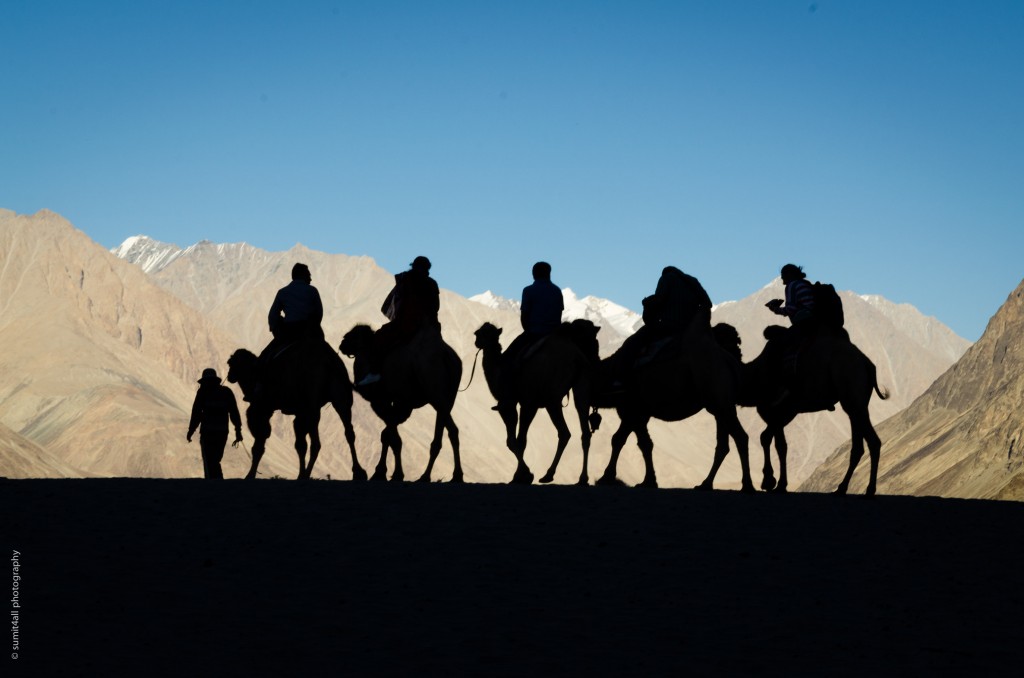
(102, 349)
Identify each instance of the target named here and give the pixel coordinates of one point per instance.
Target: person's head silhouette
(301, 272)
(421, 265)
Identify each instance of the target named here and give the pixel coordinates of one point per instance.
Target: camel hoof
(649, 484)
(358, 473)
(425, 478)
(748, 489)
(397, 477)
(583, 482)
(768, 484)
(704, 487)
(456, 478)
(523, 477)
(379, 476)
(548, 477)
(609, 481)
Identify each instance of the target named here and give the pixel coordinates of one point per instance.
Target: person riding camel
(297, 310)
(677, 301)
(295, 314)
(798, 306)
(411, 306)
(540, 314)
(540, 311)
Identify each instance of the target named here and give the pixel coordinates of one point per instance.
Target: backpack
(828, 307)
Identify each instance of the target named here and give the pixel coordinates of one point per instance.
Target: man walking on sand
(213, 406)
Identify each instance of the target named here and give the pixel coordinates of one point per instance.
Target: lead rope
(471, 372)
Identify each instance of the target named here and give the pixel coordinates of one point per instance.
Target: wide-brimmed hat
(209, 376)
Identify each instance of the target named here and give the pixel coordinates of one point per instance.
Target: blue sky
(878, 144)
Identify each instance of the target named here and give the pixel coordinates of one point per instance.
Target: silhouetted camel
(700, 375)
(546, 372)
(299, 381)
(830, 369)
(424, 371)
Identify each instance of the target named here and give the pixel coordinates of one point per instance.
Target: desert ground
(276, 577)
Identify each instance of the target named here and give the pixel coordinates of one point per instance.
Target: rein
(471, 372)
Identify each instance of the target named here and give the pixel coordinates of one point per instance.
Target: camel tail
(883, 393)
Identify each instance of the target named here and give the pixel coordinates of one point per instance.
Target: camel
(830, 369)
(699, 375)
(545, 374)
(303, 378)
(423, 371)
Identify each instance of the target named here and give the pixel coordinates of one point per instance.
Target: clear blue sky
(878, 144)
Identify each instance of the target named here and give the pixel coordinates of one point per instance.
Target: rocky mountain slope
(98, 366)
(963, 436)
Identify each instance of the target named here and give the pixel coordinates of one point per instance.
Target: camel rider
(540, 313)
(798, 306)
(297, 310)
(411, 306)
(678, 300)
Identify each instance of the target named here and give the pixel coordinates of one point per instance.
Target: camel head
(356, 341)
(241, 366)
(487, 337)
(728, 338)
(583, 333)
(774, 332)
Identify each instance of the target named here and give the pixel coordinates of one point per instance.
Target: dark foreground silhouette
(160, 577)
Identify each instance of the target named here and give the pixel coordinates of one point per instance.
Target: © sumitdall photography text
(15, 604)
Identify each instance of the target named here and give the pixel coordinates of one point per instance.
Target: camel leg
(345, 414)
(856, 452)
(301, 427)
(742, 440)
(523, 474)
(585, 436)
(874, 453)
(435, 445)
(396, 449)
(381, 471)
(861, 430)
(453, 438)
(509, 417)
(555, 412)
(782, 447)
(313, 431)
(722, 429)
(259, 429)
(646, 445)
(619, 439)
(768, 482)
